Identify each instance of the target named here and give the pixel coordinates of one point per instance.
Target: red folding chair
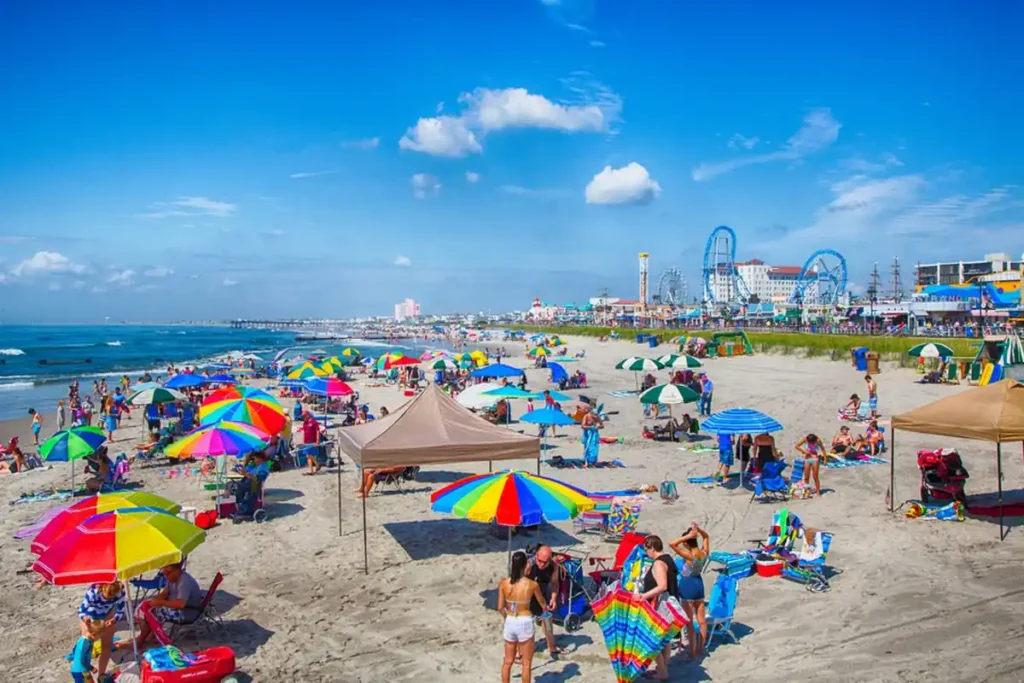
(604, 575)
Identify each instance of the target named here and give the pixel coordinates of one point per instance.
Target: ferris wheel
(671, 288)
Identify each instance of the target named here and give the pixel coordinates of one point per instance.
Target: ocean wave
(113, 343)
(14, 386)
(356, 341)
(11, 352)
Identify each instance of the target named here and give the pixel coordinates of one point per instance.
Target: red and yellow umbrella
(118, 545)
(243, 404)
(400, 361)
(70, 517)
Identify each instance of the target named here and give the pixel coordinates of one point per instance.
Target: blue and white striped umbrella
(740, 421)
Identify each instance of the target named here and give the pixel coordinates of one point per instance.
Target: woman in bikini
(514, 594)
(810, 447)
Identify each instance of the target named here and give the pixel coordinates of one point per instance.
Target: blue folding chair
(720, 607)
(770, 483)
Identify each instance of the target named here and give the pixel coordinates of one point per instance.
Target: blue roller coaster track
(720, 258)
(829, 279)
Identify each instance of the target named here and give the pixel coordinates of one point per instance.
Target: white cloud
(486, 110)
(403, 261)
(365, 143)
(46, 262)
(228, 282)
(424, 185)
(443, 136)
(3, 279)
(862, 165)
(819, 130)
(190, 206)
(578, 27)
(312, 174)
(472, 177)
(158, 271)
(630, 184)
(596, 43)
(531, 191)
(737, 141)
(121, 277)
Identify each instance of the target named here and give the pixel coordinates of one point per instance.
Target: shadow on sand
(432, 538)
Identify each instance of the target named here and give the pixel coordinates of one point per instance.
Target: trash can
(860, 359)
(641, 338)
(872, 362)
(652, 340)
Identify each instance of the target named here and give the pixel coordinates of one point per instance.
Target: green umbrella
(72, 444)
(675, 360)
(155, 395)
(638, 364)
(443, 364)
(669, 394)
(930, 350)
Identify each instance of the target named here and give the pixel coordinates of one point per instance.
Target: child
(725, 457)
(37, 425)
(61, 415)
(81, 657)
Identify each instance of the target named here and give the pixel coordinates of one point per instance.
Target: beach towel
(622, 394)
(709, 480)
(578, 463)
(699, 448)
(591, 445)
(62, 494)
(32, 530)
(168, 658)
(615, 494)
(612, 439)
(736, 564)
(840, 463)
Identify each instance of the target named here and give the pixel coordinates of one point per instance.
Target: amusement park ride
(822, 280)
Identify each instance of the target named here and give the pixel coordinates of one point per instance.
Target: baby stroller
(574, 602)
(942, 475)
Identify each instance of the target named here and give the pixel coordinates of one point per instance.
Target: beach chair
(206, 616)
(719, 609)
(396, 476)
(770, 484)
(975, 373)
(782, 534)
(809, 567)
(595, 520)
(171, 411)
(188, 421)
(119, 475)
(951, 375)
(607, 570)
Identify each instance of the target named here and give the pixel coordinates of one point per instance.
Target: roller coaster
(822, 280)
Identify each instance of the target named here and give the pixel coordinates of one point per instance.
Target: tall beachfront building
(770, 284)
(406, 309)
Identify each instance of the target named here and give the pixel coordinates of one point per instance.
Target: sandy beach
(917, 600)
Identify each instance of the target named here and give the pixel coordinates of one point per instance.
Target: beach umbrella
(219, 438)
(368, 360)
(241, 371)
(306, 371)
(401, 360)
(72, 444)
(157, 394)
(475, 396)
(511, 498)
(556, 395)
(331, 386)
(930, 350)
(219, 366)
(382, 362)
(220, 378)
(669, 394)
(738, 421)
(638, 364)
(243, 404)
(549, 417)
(634, 632)
(497, 370)
(509, 391)
(252, 357)
(292, 383)
(677, 361)
(331, 367)
(185, 380)
(538, 351)
(351, 353)
(118, 545)
(70, 517)
(443, 364)
(142, 386)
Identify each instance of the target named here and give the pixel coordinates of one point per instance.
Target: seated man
(249, 489)
(179, 602)
(842, 442)
(667, 431)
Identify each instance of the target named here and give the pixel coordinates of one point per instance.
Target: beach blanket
(708, 480)
(699, 448)
(615, 494)
(842, 463)
(579, 463)
(622, 394)
(62, 494)
(32, 530)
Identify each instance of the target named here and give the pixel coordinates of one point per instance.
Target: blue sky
(212, 160)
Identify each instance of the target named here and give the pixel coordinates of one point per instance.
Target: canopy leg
(892, 472)
(999, 475)
(366, 560)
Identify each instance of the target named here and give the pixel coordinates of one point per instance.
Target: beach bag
(206, 519)
(669, 492)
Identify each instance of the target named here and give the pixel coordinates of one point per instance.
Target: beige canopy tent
(991, 413)
(431, 428)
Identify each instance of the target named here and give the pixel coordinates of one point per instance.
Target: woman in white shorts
(514, 594)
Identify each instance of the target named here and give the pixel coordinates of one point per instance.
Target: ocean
(38, 361)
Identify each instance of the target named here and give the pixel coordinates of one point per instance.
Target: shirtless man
(872, 396)
(842, 443)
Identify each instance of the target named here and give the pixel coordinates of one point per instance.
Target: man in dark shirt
(548, 575)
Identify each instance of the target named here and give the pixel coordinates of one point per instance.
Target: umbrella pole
(892, 472)
(508, 570)
(366, 560)
(131, 619)
(999, 475)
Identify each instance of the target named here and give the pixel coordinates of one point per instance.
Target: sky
(195, 160)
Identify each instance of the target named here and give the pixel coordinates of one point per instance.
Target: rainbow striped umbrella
(512, 498)
(634, 632)
(219, 438)
(243, 404)
(118, 545)
(70, 517)
(306, 371)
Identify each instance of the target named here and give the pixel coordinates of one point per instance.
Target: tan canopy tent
(992, 413)
(431, 428)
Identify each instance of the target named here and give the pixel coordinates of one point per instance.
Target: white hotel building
(770, 284)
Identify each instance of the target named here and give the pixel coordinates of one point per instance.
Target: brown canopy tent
(430, 429)
(992, 413)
